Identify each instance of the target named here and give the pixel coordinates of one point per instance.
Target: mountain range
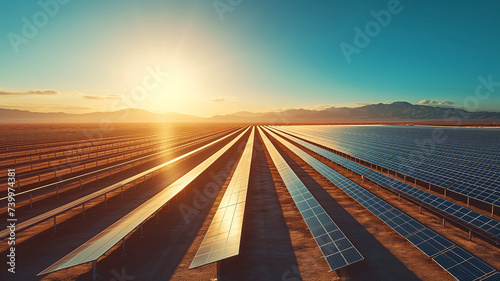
(396, 111)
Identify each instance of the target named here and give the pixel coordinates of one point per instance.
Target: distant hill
(396, 111)
(121, 116)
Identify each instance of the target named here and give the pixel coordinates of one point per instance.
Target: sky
(205, 57)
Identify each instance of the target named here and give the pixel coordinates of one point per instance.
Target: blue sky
(263, 55)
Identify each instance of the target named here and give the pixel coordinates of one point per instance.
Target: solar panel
(401, 222)
(429, 242)
(462, 265)
(494, 277)
(222, 239)
(106, 239)
(359, 169)
(335, 246)
(375, 205)
(426, 240)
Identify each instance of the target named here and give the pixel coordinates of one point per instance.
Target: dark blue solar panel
(429, 242)
(462, 265)
(494, 277)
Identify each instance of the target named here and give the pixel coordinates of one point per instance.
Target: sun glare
(172, 92)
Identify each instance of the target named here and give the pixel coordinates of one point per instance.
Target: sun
(173, 92)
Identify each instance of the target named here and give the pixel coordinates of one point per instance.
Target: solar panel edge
(245, 158)
(277, 157)
(456, 251)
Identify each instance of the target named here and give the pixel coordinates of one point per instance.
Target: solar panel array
(47, 215)
(98, 245)
(108, 168)
(222, 239)
(462, 265)
(335, 246)
(465, 161)
(483, 222)
(422, 237)
(429, 242)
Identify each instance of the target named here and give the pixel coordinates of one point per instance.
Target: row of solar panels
(222, 239)
(478, 181)
(458, 262)
(464, 145)
(330, 239)
(335, 246)
(446, 164)
(485, 223)
(61, 209)
(94, 248)
(437, 169)
(94, 173)
(462, 156)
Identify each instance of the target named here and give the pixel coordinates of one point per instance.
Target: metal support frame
(124, 247)
(94, 270)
